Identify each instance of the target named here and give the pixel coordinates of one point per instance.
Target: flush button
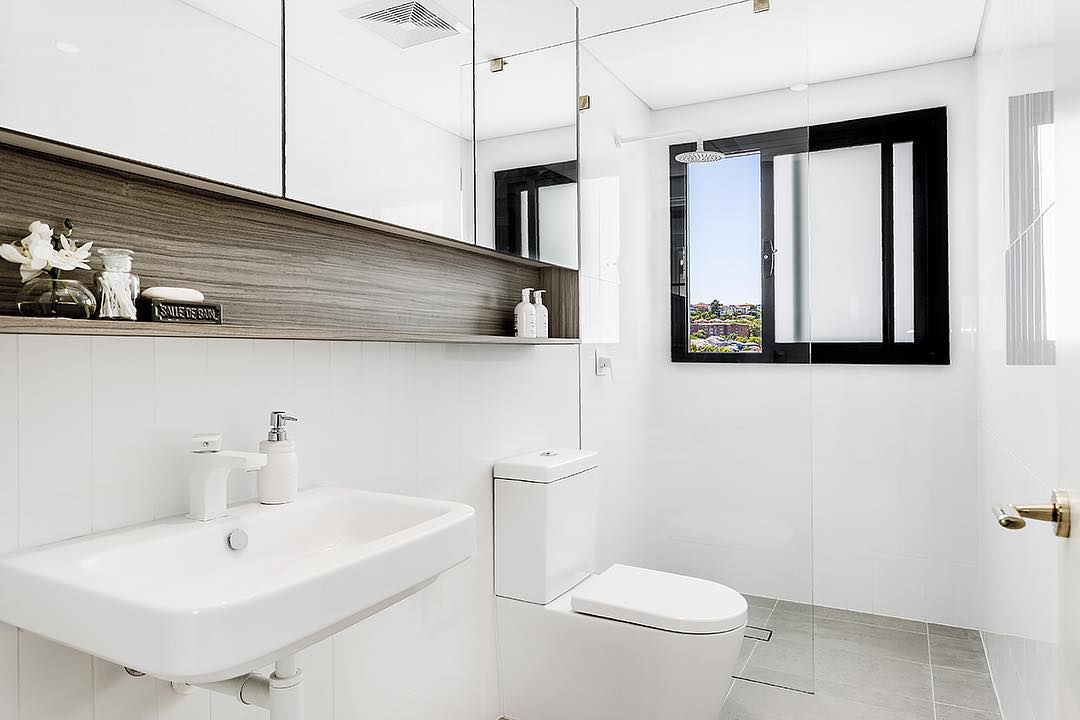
(549, 453)
(237, 540)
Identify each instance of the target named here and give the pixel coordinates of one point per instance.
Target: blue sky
(725, 230)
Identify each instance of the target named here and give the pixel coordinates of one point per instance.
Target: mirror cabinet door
(526, 129)
(379, 120)
(192, 86)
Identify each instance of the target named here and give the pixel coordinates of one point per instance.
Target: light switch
(605, 364)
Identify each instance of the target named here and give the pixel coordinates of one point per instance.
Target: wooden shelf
(281, 269)
(58, 326)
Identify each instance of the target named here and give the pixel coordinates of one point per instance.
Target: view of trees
(716, 313)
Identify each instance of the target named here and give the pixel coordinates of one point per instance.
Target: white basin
(172, 600)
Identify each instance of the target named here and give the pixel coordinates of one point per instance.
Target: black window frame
(927, 130)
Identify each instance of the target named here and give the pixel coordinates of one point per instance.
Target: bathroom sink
(172, 599)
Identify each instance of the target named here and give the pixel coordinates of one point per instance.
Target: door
(1067, 88)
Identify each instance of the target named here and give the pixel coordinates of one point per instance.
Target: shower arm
(620, 140)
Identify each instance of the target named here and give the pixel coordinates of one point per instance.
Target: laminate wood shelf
(280, 268)
(59, 326)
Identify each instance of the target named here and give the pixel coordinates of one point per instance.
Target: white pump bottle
(525, 316)
(279, 478)
(541, 314)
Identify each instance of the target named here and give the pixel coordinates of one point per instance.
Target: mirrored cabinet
(192, 86)
(379, 110)
(452, 118)
(526, 129)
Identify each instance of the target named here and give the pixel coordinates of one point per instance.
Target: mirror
(379, 110)
(526, 129)
(190, 86)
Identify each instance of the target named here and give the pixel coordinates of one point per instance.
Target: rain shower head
(701, 155)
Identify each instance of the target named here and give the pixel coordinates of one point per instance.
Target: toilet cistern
(208, 468)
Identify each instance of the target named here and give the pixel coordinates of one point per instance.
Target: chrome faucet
(208, 468)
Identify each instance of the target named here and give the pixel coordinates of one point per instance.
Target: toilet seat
(665, 601)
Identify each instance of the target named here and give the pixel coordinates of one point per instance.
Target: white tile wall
(9, 671)
(415, 419)
(9, 447)
(855, 483)
(124, 463)
(55, 683)
(54, 479)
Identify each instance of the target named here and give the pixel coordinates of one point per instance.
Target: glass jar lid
(118, 259)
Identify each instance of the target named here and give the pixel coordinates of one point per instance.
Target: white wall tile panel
(414, 419)
(9, 447)
(55, 682)
(119, 695)
(55, 491)
(125, 465)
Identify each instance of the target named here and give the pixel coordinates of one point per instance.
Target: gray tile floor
(858, 667)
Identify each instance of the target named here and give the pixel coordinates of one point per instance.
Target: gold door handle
(1059, 512)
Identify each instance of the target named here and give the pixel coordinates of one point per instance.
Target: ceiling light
(800, 87)
(66, 47)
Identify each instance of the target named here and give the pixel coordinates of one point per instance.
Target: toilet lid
(661, 600)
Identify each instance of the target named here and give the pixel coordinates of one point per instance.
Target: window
(826, 244)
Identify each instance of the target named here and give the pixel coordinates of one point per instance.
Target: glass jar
(115, 285)
(48, 297)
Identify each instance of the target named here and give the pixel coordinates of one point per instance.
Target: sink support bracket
(282, 692)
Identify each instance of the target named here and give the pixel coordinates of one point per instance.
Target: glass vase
(48, 297)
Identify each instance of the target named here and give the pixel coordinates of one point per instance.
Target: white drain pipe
(282, 693)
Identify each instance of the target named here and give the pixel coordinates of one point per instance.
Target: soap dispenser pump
(525, 316)
(278, 479)
(541, 314)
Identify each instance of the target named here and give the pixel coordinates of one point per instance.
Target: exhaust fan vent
(406, 24)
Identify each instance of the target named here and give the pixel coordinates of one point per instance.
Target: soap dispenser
(541, 314)
(278, 479)
(525, 316)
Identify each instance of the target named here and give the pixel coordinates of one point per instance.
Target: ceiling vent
(406, 23)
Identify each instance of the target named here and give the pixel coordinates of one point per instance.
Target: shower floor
(856, 666)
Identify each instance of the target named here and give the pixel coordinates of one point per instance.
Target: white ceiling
(731, 51)
(707, 54)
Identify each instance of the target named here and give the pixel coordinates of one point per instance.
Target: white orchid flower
(33, 254)
(36, 254)
(69, 257)
(12, 254)
(39, 228)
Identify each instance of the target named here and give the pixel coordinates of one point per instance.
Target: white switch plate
(605, 364)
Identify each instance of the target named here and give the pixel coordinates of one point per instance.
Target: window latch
(768, 260)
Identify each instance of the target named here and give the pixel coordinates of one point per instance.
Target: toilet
(623, 644)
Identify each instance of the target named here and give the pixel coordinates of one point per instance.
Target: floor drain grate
(758, 633)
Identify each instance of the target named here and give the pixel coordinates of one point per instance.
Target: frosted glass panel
(904, 242)
(523, 213)
(845, 244)
(557, 216)
(792, 261)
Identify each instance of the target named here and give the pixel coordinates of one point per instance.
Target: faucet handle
(206, 443)
(277, 425)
